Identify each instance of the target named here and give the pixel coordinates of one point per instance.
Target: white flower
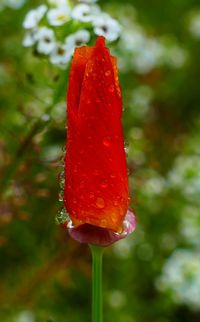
(148, 57)
(133, 40)
(175, 56)
(190, 225)
(46, 40)
(60, 55)
(181, 276)
(33, 17)
(29, 38)
(116, 299)
(58, 16)
(77, 39)
(141, 99)
(106, 26)
(85, 13)
(194, 26)
(15, 4)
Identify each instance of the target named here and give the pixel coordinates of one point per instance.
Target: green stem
(97, 307)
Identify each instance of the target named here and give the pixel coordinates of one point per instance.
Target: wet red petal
(96, 185)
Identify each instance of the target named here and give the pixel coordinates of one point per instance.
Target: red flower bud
(96, 182)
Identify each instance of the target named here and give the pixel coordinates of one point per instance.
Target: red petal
(96, 189)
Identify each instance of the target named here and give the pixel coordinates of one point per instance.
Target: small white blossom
(85, 13)
(58, 16)
(181, 276)
(29, 38)
(60, 55)
(15, 4)
(194, 26)
(190, 225)
(148, 57)
(77, 39)
(133, 40)
(116, 299)
(141, 99)
(175, 56)
(46, 40)
(33, 17)
(106, 26)
(25, 316)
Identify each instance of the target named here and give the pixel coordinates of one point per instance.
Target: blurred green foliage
(46, 276)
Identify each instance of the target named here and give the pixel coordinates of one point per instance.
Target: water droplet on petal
(100, 203)
(107, 141)
(74, 201)
(104, 185)
(91, 195)
(113, 218)
(75, 170)
(111, 88)
(112, 176)
(103, 222)
(108, 72)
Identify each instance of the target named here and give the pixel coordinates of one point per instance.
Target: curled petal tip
(89, 234)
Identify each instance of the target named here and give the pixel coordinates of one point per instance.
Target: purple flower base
(89, 234)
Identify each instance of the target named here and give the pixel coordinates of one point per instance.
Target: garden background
(153, 275)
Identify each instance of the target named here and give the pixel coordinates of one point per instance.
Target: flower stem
(97, 307)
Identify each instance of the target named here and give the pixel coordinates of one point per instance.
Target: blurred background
(154, 275)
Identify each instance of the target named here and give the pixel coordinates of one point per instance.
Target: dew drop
(113, 218)
(111, 89)
(107, 73)
(64, 149)
(62, 183)
(61, 217)
(103, 222)
(74, 201)
(75, 170)
(91, 195)
(107, 141)
(100, 203)
(112, 176)
(104, 185)
(61, 195)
